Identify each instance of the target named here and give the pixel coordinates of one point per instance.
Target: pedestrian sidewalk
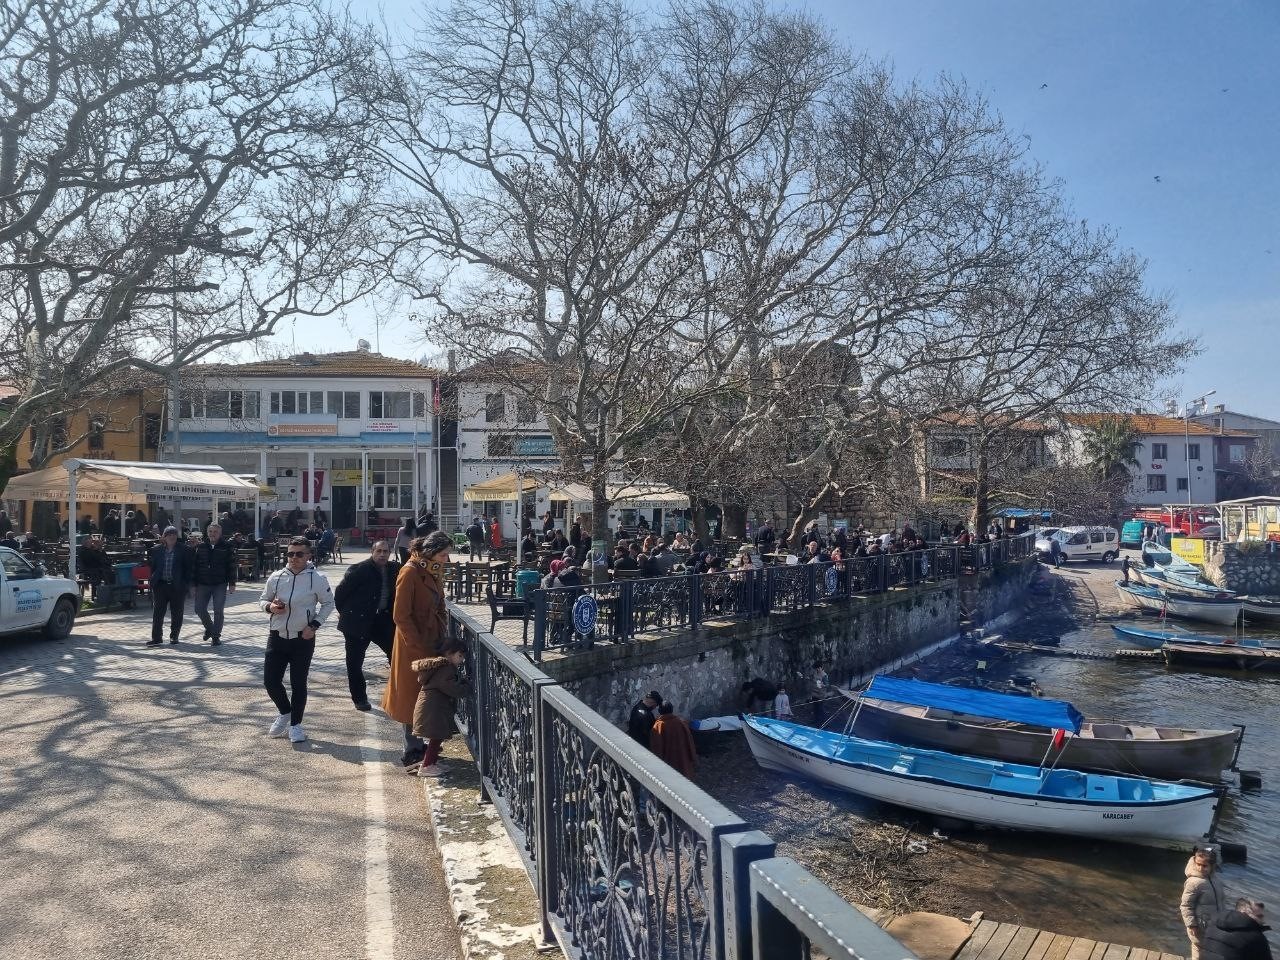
(146, 813)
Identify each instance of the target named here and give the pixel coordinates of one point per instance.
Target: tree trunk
(808, 511)
(981, 493)
(735, 520)
(599, 513)
(698, 508)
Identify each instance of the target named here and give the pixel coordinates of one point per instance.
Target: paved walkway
(145, 814)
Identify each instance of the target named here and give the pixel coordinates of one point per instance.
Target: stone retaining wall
(702, 671)
(1253, 571)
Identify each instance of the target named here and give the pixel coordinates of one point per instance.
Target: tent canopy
(116, 481)
(1054, 714)
(501, 487)
(631, 495)
(1252, 502)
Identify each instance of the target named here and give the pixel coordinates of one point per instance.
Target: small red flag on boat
(1059, 738)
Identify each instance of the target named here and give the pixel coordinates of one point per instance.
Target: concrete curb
(489, 891)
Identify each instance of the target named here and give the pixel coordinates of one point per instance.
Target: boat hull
(1139, 598)
(1225, 614)
(1260, 610)
(1222, 657)
(1202, 757)
(1167, 824)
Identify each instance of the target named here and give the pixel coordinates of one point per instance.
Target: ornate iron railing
(628, 858)
(625, 608)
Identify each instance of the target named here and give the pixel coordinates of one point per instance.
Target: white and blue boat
(1182, 585)
(1008, 795)
(1155, 639)
(1224, 610)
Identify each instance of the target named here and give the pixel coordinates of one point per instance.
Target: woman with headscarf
(421, 626)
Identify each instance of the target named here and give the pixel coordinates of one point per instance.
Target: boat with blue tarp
(975, 789)
(1019, 729)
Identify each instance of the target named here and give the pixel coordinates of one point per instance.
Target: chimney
(1219, 408)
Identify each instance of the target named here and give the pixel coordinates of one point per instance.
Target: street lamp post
(1186, 444)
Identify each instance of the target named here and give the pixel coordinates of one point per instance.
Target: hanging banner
(314, 484)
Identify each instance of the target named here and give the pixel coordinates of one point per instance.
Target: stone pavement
(144, 812)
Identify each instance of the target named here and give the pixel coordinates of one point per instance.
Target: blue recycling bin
(124, 573)
(526, 580)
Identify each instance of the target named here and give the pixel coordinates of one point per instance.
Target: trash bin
(526, 580)
(124, 573)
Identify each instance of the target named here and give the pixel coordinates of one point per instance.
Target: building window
(97, 429)
(191, 405)
(1193, 451)
(500, 445)
(1160, 451)
(526, 410)
(151, 432)
(950, 447)
(220, 405)
(344, 404)
(1157, 483)
(419, 404)
(391, 484)
(495, 407)
(1182, 484)
(389, 405)
(297, 401)
(1236, 452)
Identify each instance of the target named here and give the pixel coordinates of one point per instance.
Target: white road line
(379, 929)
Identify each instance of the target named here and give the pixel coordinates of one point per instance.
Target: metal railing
(628, 858)
(627, 608)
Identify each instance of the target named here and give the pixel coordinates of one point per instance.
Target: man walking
(170, 577)
(475, 538)
(299, 601)
(215, 576)
(365, 599)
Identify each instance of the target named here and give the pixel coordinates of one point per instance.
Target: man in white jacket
(299, 601)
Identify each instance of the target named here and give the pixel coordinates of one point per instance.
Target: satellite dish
(362, 346)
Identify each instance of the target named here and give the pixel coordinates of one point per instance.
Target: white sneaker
(296, 733)
(430, 771)
(279, 725)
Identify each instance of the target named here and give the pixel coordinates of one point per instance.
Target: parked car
(31, 600)
(1080, 543)
(1131, 533)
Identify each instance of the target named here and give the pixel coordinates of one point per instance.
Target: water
(1118, 892)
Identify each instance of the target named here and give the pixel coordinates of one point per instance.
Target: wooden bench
(507, 608)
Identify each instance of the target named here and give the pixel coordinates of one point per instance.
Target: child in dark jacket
(438, 701)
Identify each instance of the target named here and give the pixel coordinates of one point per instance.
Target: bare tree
(174, 178)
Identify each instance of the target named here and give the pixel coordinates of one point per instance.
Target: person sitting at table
(663, 559)
(529, 544)
(646, 565)
(575, 535)
(312, 533)
(324, 546)
(558, 542)
(679, 541)
(95, 565)
(622, 560)
(9, 541)
(30, 542)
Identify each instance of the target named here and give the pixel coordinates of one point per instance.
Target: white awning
(111, 481)
(631, 496)
(499, 488)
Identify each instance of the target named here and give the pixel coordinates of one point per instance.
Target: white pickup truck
(31, 600)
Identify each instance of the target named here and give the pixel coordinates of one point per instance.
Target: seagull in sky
(1044, 86)
(1157, 179)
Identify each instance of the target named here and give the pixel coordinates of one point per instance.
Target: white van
(32, 600)
(1080, 543)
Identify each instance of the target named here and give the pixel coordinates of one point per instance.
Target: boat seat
(1110, 731)
(904, 765)
(1103, 788)
(1145, 733)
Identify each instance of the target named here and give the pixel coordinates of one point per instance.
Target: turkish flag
(1059, 738)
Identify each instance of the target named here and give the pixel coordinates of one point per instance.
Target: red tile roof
(1153, 424)
(351, 363)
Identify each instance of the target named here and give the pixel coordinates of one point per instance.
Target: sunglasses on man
(297, 553)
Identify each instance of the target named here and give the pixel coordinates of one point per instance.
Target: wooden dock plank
(1099, 949)
(1169, 956)
(1116, 951)
(999, 941)
(1060, 947)
(1040, 947)
(1138, 953)
(1081, 949)
(978, 939)
(1020, 944)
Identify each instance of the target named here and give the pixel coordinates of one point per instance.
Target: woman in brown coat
(672, 740)
(438, 702)
(420, 618)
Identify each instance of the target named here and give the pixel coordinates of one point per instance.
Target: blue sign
(585, 612)
(833, 580)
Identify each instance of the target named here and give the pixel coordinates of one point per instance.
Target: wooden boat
(1223, 657)
(1261, 608)
(1167, 560)
(954, 719)
(1224, 610)
(1155, 639)
(1183, 586)
(1009, 795)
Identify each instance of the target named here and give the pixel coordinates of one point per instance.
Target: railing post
(539, 623)
(765, 582)
(482, 718)
(737, 852)
(811, 583)
(544, 800)
(626, 610)
(695, 600)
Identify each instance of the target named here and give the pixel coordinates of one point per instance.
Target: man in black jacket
(640, 722)
(170, 577)
(1238, 934)
(215, 577)
(365, 599)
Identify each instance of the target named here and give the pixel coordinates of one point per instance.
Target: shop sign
(383, 426)
(346, 478)
(1190, 549)
(312, 426)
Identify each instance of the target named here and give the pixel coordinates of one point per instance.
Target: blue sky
(1184, 90)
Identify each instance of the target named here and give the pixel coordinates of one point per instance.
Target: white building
(349, 433)
(1172, 455)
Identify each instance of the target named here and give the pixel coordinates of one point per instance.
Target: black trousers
(381, 632)
(171, 597)
(293, 654)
